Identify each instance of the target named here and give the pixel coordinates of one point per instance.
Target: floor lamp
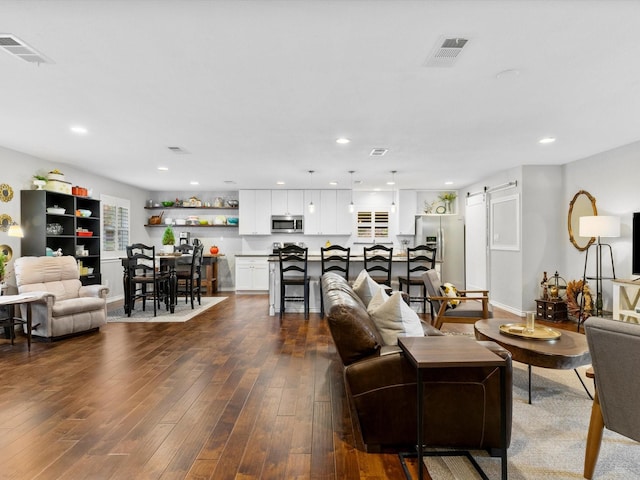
(598, 226)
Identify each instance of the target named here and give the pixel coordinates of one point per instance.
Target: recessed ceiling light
(508, 73)
(391, 182)
(230, 182)
(280, 182)
(333, 183)
(546, 140)
(163, 169)
(79, 129)
(448, 183)
(342, 141)
(194, 182)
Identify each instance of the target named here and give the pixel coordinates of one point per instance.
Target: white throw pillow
(394, 317)
(365, 287)
(378, 299)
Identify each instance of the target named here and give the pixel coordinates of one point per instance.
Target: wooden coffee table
(569, 351)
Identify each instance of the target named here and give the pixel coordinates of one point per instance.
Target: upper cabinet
(331, 215)
(287, 202)
(407, 210)
(255, 212)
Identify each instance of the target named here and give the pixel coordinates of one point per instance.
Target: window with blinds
(373, 225)
(115, 226)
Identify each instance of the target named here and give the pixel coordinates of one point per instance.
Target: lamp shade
(15, 230)
(599, 226)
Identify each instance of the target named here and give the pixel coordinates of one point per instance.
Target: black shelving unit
(35, 218)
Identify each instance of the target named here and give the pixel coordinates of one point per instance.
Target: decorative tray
(539, 332)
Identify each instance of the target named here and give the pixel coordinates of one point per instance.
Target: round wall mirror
(582, 205)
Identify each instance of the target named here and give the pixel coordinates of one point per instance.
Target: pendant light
(312, 207)
(393, 196)
(352, 207)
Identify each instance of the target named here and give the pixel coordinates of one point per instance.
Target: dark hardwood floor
(232, 393)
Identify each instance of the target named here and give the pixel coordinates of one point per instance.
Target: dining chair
(144, 278)
(293, 262)
(615, 354)
(377, 261)
(334, 258)
(190, 278)
(419, 259)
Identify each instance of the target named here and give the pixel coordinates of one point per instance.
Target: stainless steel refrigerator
(446, 233)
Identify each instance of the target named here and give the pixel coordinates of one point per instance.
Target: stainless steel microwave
(287, 224)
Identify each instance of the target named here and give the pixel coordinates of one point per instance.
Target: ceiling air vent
(446, 52)
(378, 152)
(16, 47)
(178, 150)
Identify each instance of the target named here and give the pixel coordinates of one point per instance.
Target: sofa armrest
(93, 291)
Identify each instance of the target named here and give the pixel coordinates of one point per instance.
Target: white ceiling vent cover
(446, 52)
(16, 47)
(378, 152)
(178, 150)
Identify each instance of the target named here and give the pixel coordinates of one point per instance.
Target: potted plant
(447, 198)
(3, 259)
(168, 240)
(39, 181)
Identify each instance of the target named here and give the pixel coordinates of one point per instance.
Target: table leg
(29, 324)
(173, 287)
(420, 422)
(503, 418)
(529, 368)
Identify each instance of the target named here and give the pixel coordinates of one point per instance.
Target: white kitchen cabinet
(312, 220)
(252, 274)
(331, 216)
(407, 210)
(345, 220)
(287, 202)
(254, 212)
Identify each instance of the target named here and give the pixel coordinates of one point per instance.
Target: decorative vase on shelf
(447, 206)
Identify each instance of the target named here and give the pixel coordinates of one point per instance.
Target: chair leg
(306, 301)
(321, 300)
(594, 438)
(282, 290)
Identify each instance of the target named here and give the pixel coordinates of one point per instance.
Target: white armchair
(67, 307)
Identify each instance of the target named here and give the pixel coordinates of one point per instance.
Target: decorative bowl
(220, 220)
(84, 213)
(84, 234)
(57, 210)
(54, 229)
(233, 203)
(168, 203)
(232, 220)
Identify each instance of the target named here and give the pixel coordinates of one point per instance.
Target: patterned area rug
(548, 437)
(183, 312)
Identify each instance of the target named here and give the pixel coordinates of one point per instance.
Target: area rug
(183, 312)
(548, 437)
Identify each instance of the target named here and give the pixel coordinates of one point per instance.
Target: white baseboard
(509, 309)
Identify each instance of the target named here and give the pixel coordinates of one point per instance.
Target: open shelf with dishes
(55, 222)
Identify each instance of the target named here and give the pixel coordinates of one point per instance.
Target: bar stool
(377, 259)
(293, 273)
(419, 259)
(334, 258)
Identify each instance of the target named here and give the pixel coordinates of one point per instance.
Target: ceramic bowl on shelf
(220, 220)
(55, 209)
(232, 220)
(167, 203)
(233, 203)
(84, 213)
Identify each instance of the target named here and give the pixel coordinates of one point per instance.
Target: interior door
(475, 245)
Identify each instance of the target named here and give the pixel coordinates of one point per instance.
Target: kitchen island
(314, 268)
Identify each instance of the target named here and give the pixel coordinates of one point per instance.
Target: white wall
(18, 172)
(612, 178)
(514, 275)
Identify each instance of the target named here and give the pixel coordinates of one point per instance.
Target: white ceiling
(258, 91)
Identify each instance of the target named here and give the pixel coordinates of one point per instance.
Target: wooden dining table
(167, 263)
